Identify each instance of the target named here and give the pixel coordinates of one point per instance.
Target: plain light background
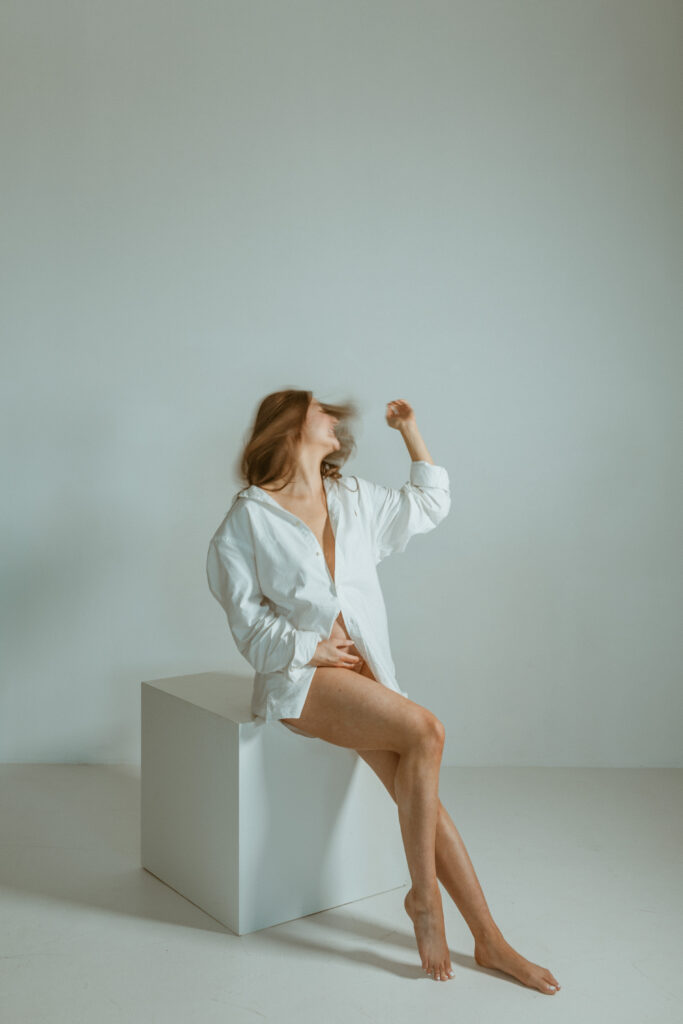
(475, 206)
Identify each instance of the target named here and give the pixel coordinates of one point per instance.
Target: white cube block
(254, 824)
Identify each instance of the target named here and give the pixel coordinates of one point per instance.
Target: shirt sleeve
(395, 515)
(269, 642)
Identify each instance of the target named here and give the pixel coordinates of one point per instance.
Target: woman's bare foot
(428, 923)
(499, 954)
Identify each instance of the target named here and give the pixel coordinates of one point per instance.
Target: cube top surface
(220, 693)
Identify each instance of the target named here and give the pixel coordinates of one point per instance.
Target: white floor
(581, 869)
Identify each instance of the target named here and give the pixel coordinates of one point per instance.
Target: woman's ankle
(425, 897)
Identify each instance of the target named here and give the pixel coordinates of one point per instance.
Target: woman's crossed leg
(453, 866)
(350, 709)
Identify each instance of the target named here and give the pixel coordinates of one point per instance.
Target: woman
(293, 565)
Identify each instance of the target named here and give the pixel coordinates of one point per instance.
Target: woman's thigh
(383, 762)
(350, 709)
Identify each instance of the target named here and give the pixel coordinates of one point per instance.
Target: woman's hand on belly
(340, 633)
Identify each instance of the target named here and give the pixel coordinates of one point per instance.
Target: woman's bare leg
(416, 783)
(344, 709)
(458, 877)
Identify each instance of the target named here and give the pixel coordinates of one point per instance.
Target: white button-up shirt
(266, 568)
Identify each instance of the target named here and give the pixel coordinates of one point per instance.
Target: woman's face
(319, 427)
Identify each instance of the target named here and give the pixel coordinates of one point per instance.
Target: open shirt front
(267, 570)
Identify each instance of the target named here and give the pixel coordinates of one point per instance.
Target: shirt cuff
(305, 644)
(424, 474)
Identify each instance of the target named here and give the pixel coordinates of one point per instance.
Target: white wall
(475, 206)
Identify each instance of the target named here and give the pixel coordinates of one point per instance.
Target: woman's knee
(430, 731)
